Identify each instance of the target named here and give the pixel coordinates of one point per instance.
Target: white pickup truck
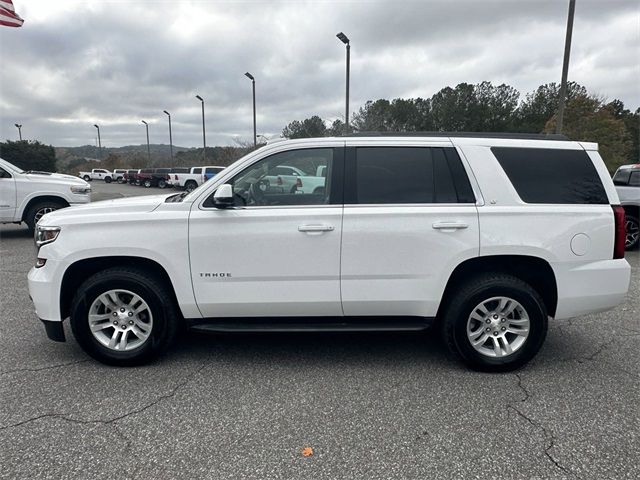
(97, 174)
(27, 196)
(196, 177)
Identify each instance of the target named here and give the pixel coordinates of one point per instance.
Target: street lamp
(343, 38)
(253, 83)
(204, 140)
(565, 66)
(170, 139)
(99, 142)
(148, 148)
(19, 127)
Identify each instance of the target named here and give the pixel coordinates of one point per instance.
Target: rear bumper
(592, 287)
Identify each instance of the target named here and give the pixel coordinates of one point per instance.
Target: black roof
(514, 136)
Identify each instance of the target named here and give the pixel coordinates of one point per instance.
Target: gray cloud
(117, 62)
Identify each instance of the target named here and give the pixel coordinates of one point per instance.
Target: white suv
(485, 237)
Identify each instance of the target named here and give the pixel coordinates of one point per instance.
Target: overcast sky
(75, 63)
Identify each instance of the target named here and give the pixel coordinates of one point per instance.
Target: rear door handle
(315, 228)
(450, 226)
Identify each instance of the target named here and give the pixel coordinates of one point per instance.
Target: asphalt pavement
(371, 406)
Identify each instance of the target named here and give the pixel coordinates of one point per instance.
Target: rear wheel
(107, 179)
(120, 180)
(495, 323)
(162, 183)
(147, 183)
(86, 178)
(190, 185)
(124, 316)
(633, 232)
(38, 210)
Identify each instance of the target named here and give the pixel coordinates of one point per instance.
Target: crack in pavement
(39, 369)
(550, 439)
(65, 417)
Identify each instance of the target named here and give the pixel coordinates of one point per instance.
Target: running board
(310, 324)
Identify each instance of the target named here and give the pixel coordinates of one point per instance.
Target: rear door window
(634, 179)
(397, 175)
(552, 176)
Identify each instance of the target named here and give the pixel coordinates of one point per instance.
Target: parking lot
(369, 405)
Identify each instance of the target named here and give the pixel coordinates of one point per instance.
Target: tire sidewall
(89, 291)
(631, 218)
(537, 327)
(30, 218)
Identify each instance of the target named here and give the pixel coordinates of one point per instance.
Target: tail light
(168, 177)
(279, 181)
(175, 177)
(298, 182)
(620, 231)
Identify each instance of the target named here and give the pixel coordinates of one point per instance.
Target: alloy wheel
(633, 232)
(498, 327)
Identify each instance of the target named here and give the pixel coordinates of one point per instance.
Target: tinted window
(213, 169)
(162, 170)
(634, 179)
(4, 173)
(260, 185)
(197, 170)
(179, 170)
(394, 175)
(549, 175)
(622, 176)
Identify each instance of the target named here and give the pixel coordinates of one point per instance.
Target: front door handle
(450, 226)
(315, 228)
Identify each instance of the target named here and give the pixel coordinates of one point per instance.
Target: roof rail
(515, 136)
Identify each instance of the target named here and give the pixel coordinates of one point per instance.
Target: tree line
(485, 107)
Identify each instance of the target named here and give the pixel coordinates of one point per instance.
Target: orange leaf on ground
(307, 451)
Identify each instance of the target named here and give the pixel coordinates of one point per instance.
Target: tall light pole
(343, 38)
(565, 66)
(204, 139)
(170, 139)
(99, 142)
(253, 83)
(19, 127)
(148, 148)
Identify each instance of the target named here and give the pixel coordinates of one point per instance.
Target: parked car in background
(160, 178)
(97, 174)
(144, 177)
(484, 238)
(131, 176)
(27, 196)
(210, 172)
(627, 182)
(118, 174)
(192, 180)
(294, 180)
(173, 174)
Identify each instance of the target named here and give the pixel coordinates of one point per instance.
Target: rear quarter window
(552, 176)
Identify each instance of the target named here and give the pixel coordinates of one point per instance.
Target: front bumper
(44, 290)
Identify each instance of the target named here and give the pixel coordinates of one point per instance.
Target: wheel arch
(42, 198)
(80, 270)
(536, 271)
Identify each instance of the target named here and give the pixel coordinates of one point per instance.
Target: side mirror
(223, 197)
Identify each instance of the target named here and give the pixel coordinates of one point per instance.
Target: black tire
(147, 184)
(190, 185)
(154, 292)
(36, 210)
(86, 178)
(477, 290)
(107, 179)
(120, 180)
(162, 183)
(633, 232)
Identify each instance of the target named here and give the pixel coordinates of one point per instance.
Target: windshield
(11, 166)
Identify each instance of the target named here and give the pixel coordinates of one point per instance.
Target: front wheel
(147, 184)
(124, 316)
(495, 323)
(162, 183)
(633, 232)
(38, 210)
(190, 186)
(86, 178)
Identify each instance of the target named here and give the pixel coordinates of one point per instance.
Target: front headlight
(44, 235)
(81, 190)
